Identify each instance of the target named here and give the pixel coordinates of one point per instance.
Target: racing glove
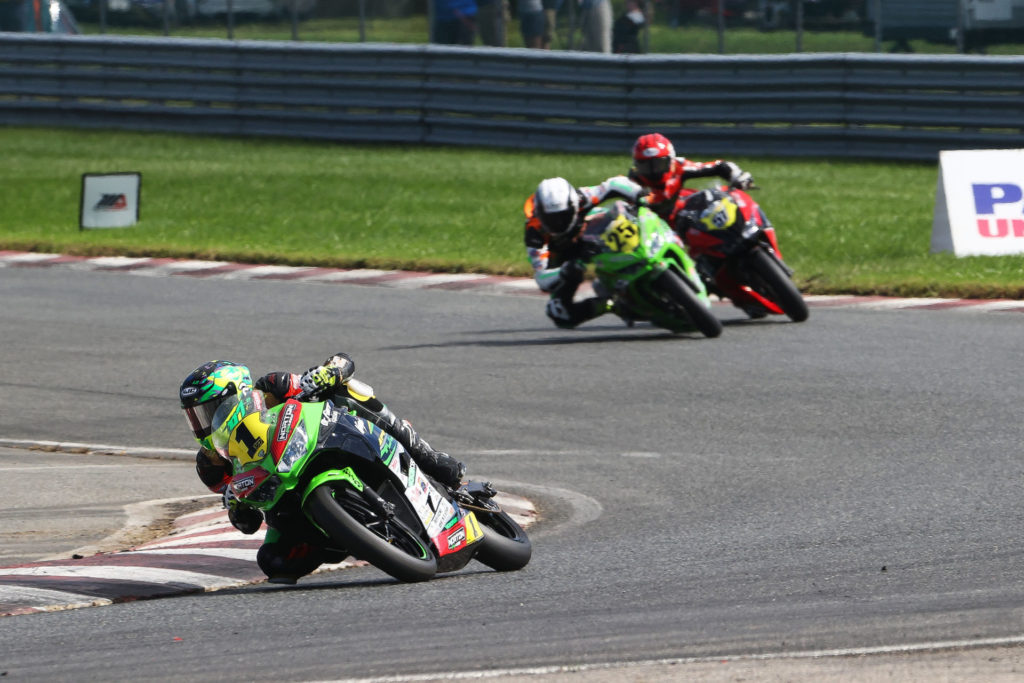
(317, 380)
(343, 362)
(742, 180)
(242, 516)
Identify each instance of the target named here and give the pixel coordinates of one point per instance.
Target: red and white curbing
(203, 552)
(401, 279)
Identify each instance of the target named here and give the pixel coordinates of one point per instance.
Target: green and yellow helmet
(203, 391)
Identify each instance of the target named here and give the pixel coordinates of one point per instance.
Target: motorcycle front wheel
(505, 546)
(672, 286)
(385, 543)
(780, 287)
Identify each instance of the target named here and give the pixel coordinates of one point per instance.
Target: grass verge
(844, 226)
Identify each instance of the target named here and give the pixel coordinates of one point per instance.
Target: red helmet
(653, 156)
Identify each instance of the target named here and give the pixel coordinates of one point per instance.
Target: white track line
(609, 666)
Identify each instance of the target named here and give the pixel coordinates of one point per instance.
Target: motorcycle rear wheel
(385, 543)
(505, 546)
(673, 287)
(781, 288)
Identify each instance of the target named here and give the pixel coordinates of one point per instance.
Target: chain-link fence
(617, 26)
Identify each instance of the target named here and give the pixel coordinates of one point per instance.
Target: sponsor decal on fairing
(457, 538)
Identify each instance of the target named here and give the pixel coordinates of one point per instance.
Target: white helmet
(557, 206)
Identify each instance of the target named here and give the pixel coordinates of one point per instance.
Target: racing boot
(284, 562)
(438, 465)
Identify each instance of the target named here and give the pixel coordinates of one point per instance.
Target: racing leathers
(559, 264)
(281, 557)
(668, 201)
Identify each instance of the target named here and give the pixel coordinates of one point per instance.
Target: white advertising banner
(109, 200)
(979, 202)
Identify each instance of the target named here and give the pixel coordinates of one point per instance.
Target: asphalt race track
(845, 486)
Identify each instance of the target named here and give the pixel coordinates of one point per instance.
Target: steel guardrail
(843, 104)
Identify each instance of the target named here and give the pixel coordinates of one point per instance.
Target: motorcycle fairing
(287, 418)
(244, 484)
(449, 531)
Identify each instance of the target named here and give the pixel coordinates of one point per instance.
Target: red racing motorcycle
(737, 254)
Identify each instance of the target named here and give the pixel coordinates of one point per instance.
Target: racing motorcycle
(643, 267)
(338, 481)
(737, 253)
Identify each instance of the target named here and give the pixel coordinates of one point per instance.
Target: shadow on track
(585, 335)
(309, 583)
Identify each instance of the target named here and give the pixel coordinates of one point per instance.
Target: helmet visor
(200, 418)
(653, 169)
(559, 222)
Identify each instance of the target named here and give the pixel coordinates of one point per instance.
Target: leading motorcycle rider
(285, 559)
(555, 215)
(656, 166)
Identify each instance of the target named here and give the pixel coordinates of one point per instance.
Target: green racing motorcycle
(338, 481)
(644, 268)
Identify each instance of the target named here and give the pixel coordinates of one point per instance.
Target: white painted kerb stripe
(179, 267)
(111, 262)
(346, 275)
(428, 280)
(35, 596)
(264, 271)
(248, 554)
(900, 303)
(29, 258)
(1002, 305)
(525, 285)
(195, 538)
(140, 574)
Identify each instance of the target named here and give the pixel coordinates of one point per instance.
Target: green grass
(853, 227)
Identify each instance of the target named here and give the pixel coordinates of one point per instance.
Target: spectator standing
(492, 19)
(454, 22)
(626, 30)
(532, 22)
(596, 19)
(551, 8)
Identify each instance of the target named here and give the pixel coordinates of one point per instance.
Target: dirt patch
(148, 522)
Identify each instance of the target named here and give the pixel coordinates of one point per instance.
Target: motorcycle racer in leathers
(555, 215)
(656, 166)
(282, 558)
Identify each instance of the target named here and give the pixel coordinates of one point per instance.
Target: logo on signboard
(993, 199)
(979, 202)
(111, 202)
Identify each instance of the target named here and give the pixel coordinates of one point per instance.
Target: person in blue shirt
(454, 22)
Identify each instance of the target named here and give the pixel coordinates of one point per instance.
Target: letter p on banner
(109, 200)
(979, 202)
